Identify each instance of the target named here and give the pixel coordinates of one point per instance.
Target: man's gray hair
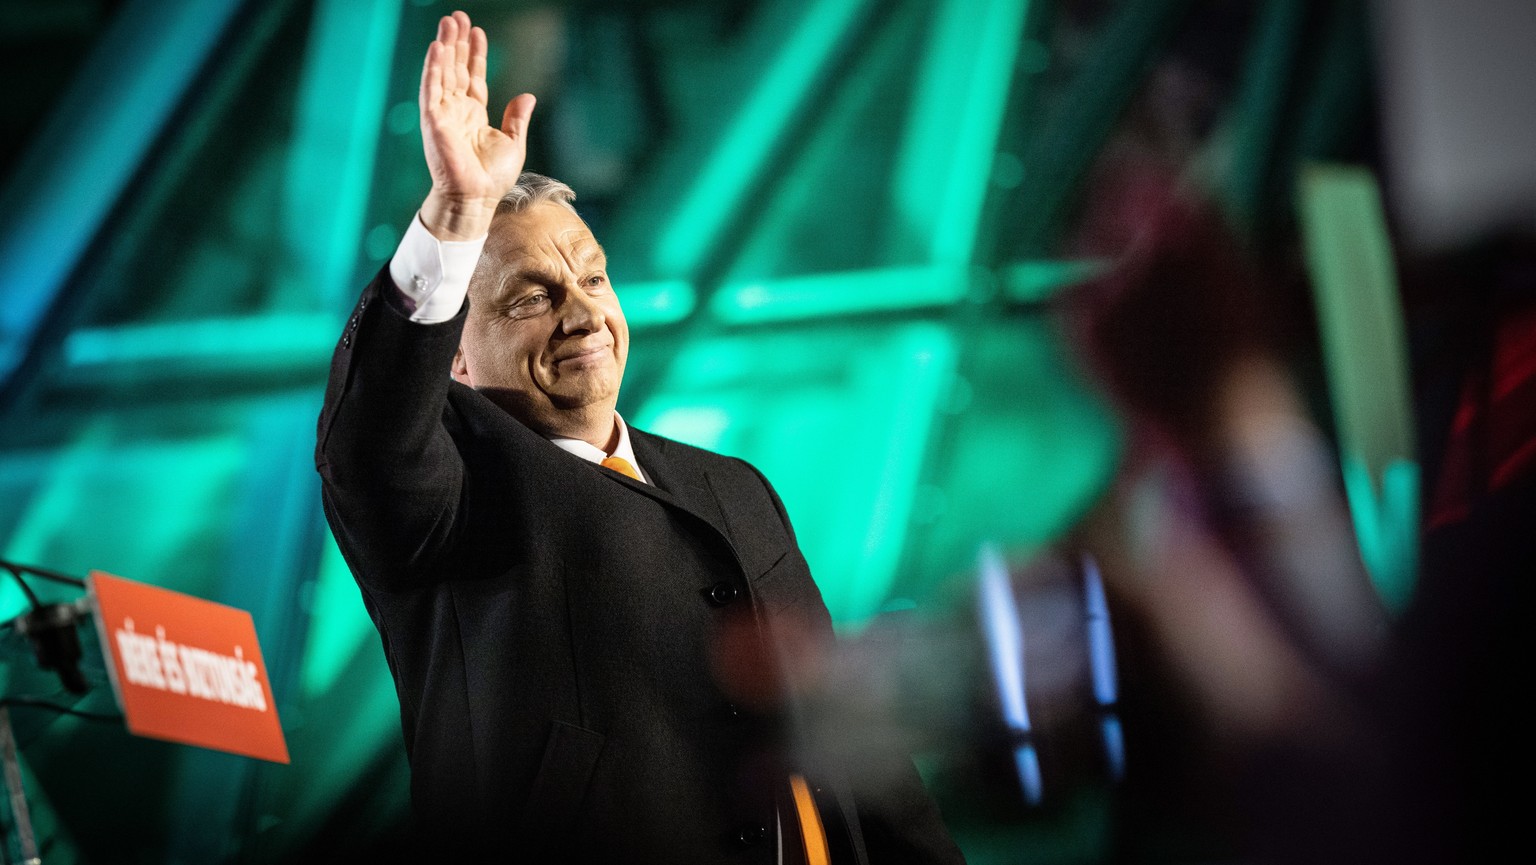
(534, 189)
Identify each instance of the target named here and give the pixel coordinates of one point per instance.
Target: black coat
(551, 625)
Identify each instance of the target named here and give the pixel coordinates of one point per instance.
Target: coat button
(722, 593)
(752, 834)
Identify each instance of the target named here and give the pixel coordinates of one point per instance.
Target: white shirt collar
(593, 454)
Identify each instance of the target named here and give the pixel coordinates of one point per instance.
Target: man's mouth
(585, 357)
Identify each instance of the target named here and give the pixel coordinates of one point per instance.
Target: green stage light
(87, 154)
(743, 149)
(941, 177)
(1038, 281)
(340, 113)
(651, 304)
(839, 419)
(305, 337)
(140, 509)
(846, 293)
(1349, 254)
(344, 628)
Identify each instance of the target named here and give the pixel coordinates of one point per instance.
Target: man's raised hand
(472, 163)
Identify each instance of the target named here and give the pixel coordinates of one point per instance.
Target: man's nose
(581, 314)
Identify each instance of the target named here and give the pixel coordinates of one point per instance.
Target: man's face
(545, 337)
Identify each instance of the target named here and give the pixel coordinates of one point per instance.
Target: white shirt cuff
(432, 275)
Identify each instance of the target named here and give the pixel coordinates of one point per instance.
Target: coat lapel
(683, 481)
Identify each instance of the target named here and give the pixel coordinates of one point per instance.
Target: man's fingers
(461, 52)
(477, 51)
(465, 157)
(514, 120)
(432, 78)
(457, 57)
(441, 52)
(447, 39)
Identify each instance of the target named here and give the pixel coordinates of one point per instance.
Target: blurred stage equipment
(182, 669)
(1457, 116)
(1051, 649)
(50, 628)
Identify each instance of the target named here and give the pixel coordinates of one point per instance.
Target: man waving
(550, 584)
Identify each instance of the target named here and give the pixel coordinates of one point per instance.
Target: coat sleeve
(392, 478)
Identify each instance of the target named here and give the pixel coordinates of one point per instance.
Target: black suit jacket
(551, 625)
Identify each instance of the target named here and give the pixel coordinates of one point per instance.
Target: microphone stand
(50, 628)
(18, 795)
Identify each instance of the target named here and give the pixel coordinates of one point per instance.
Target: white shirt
(432, 277)
(593, 454)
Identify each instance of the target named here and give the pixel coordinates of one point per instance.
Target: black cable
(36, 703)
(25, 589)
(45, 573)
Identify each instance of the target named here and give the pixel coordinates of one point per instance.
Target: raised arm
(472, 163)
(393, 476)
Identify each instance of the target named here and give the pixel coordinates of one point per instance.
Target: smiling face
(545, 338)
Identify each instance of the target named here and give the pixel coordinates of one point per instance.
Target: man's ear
(460, 370)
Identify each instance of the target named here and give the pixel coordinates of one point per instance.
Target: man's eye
(596, 279)
(528, 303)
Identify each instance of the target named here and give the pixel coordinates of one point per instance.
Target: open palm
(472, 163)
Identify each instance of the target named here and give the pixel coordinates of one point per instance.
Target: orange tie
(811, 831)
(622, 466)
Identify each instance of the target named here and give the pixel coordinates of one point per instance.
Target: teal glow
(266, 338)
(1028, 450)
(1386, 522)
(849, 292)
(362, 722)
(742, 151)
(345, 682)
(701, 425)
(942, 175)
(826, 208)
(339, 118)
(136, 509)
(1066, 139)
(858, 405)
(336, 602)
(1260, 103)
(1039, 281)
(45, 824)
(95, 141)
(651, 304)
(381, 241)
(1349, 255)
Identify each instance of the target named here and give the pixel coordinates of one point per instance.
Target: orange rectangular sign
(187, 670)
